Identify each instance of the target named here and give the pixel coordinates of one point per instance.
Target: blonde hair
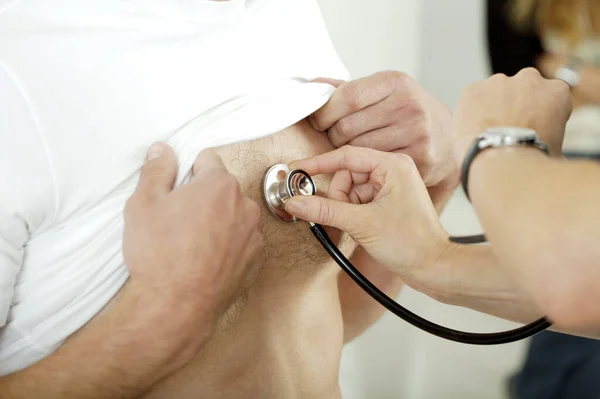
(572, 19)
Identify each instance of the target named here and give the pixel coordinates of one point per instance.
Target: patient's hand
(192, 248)
(391, 112)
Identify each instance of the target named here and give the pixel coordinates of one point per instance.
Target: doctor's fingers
(391, 138)
(158, 173)
(400, 174)
(351, 187)
(354, 96)
(327, 212)
(357, 160)
(380, 118)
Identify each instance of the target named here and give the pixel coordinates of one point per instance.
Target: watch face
(501, 136)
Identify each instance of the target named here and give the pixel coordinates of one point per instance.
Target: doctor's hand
(190, 250)
(381, 201)
(526, 100)
(391, 112)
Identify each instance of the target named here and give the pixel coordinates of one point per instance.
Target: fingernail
(295, 206)
(155, 151)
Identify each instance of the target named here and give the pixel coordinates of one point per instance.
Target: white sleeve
(13, 235)
(11, 230)
(23, 164)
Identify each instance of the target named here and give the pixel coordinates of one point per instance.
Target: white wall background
(441, 43)
(452, 50)
(374, 35)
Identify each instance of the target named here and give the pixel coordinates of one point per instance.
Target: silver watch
(500, 137)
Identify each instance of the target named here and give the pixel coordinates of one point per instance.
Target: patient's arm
(119, 356)
(177, 289)
(359, 310)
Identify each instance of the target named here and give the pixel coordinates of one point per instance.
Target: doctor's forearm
(542, 218)
(118, 356)
(469, 276)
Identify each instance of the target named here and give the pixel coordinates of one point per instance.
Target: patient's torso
(284, 338)
(80, 104)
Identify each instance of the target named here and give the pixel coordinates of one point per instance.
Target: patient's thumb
(159, 172)
(323, 211)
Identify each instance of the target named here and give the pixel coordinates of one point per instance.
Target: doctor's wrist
(444, 280)
(493, 165)
(432, 276)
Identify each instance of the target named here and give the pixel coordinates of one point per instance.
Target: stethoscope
(280, 184)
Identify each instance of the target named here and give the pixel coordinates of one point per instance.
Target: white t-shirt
(85, 87)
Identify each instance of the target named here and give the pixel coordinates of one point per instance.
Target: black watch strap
(466, 166)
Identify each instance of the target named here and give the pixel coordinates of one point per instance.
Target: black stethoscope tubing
(498, 338)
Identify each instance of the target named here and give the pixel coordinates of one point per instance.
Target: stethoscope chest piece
(280, 184)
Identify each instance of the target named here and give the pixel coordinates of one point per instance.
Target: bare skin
(284, 337)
